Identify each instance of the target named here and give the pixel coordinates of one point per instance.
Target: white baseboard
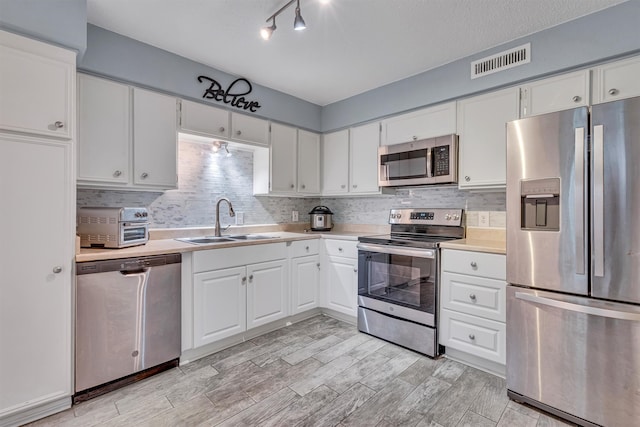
(476, 362)
(36, 412)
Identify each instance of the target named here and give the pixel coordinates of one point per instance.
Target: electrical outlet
(483, 219)
(294, 216)
(239, 218)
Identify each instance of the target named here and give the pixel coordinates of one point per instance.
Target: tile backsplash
(205, 176)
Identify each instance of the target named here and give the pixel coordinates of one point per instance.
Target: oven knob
(398, 216)
(456, 217)
(447, 217)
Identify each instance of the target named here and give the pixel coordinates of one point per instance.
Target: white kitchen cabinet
(335, 162)
(203, 120)
(284, 158)
(616, 80)
(473, 308)
(155, 140)
(557, 93)
(428, 122)
(267, 292)
(249, 129)
(36, 260)
(128, 137)
(340, 282)
(483, 138)
(37, 87)
(308, 164)
(305, 275)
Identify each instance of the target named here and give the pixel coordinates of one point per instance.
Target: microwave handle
(429, 162)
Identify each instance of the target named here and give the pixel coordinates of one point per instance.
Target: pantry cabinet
(616, 80)
(483, 138)
(557, 93)
(203, 120)
(428, 122)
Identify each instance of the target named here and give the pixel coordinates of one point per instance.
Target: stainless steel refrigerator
(573, 263)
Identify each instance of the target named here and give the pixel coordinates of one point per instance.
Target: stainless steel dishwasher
(127, 321)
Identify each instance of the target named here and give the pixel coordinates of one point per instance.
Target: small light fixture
(217, 145)
(298, 22)
(266, 32)
(226, 148)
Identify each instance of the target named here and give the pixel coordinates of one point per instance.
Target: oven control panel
(431, 216)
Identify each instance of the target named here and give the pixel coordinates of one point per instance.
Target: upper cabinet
(482, 131)
(37, 86)
(127, 136)
(555, 94)
(249, 129)
(201, 119)
(426, 123)
(284, 140)
(616, 80)
(335, 162)
(308, 162)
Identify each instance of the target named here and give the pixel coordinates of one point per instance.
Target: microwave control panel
(441, 160)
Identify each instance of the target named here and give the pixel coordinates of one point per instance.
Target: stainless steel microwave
(422, 162)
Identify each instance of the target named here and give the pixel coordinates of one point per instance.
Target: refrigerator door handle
(579, 200)
(594, 311)
(598, 200)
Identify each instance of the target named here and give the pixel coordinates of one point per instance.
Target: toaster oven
(112, 227)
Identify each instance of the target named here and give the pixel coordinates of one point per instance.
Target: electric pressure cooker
(320, 218)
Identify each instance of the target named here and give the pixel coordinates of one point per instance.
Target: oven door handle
(395, 250)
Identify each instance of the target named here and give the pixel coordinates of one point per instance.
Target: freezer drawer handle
(594, 311)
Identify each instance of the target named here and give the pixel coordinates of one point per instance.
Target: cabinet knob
(238, 132)
(576, 98)
(339, 249)
(415, 138)
(144, 175)
(57, 269)
(472, 297)
(221, 129)
(355, 270)
(293, 186)
(474, 264)
(251, 277)
(244, 280)
(613, 91)
(304, 186)
(472, 337)
(58, 125)
(306, 248)
(467, 178)
(117, 173)
(318, 265)
(342, 186)
(355, 185)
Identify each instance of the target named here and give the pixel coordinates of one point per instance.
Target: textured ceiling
(349, 46)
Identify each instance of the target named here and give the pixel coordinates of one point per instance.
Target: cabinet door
(267, 292)
(249, 129)
(203, 119)
(558, 93)
(283, 158)
(37, 87)
(36, 260)
(483, 139)
(363, 156)
(335, 162)
(617, 80)
(104, 135)
(342, 285)
(305, 277)
(308, 162)
(219, 304)
(426, 123)
(155, 140)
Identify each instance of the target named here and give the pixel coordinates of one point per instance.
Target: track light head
(298, 23)
(267, 32)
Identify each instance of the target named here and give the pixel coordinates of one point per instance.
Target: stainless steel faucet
(216, 230)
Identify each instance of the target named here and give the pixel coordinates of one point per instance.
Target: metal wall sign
(233, 95)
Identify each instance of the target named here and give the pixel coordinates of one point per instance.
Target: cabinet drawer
(214, 259)
(474, 295)
(474, 335)
(304, 247)
(475, 263)
(344, 248)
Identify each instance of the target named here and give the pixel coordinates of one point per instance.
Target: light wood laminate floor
(319, 372)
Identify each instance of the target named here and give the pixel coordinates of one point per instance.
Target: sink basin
(205, 240)
(250, 237)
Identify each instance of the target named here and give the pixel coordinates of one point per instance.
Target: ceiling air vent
(501, 61)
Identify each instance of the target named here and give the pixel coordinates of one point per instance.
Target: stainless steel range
(398, 280)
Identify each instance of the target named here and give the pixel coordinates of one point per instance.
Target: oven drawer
(304, 247)
(474, 335)
(344, 248)
(493, 266)
(474, 295)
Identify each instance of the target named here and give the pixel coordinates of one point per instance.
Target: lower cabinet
(473, 308)
(340, 282)
(305, 275)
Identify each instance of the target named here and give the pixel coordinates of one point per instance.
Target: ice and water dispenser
(540, 204)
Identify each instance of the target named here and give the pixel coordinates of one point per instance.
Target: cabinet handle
(467, 178)
(576, 98)
(238, 133)
(244, 280)
(472, 297)
(144, 175)
(57, 269)
(58, 125)
(472, 337)
(613, 91)
(221, 129)
(474, 264)
(117, 173)
(251, 277)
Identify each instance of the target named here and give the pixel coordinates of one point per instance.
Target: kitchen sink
(205, 240)
(250, 237)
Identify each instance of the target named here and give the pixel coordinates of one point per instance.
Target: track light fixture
(298, 22)
(217, 145)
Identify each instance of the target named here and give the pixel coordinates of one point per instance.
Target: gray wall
(62, 22)
(122, 58)
(594, 38)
